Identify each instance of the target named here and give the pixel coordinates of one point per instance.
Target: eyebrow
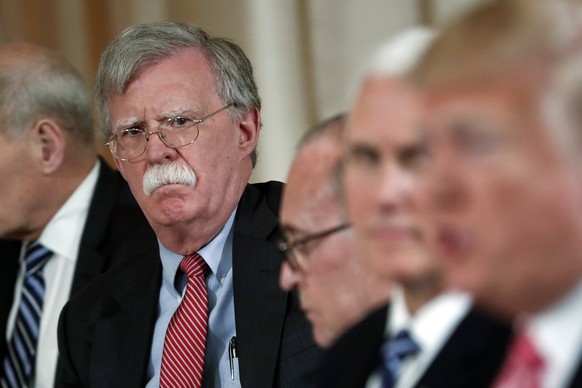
(180, 111)
(134, 121)
(127, 123)
(360, 148)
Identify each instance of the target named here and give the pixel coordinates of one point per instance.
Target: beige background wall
(307, 54)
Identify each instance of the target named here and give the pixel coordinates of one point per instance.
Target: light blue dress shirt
(221, 325)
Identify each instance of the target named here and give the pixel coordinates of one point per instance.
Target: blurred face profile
(383, 156)
(504, 194)
(20, 198)
(331, 284)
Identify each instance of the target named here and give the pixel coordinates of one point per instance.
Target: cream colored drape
(307, 54)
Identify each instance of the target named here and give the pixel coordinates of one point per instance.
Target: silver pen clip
(232, 354)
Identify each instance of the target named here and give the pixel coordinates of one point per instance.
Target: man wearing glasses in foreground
(180, 113)
(335, 288)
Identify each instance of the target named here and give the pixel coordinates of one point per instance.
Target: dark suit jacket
(105, 332)
(470, 358)
(115, 227)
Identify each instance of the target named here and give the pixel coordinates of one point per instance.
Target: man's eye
(131, 133)
(180, 122)
(475, 138)
(360, 156)
(306, 247)
(415, 158)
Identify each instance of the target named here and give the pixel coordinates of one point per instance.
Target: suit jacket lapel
(369, 337)
(102, 204)
(355, 356)
(577, 379)
(9, 254)
(472, 356)
(260, 304)
(122, 359)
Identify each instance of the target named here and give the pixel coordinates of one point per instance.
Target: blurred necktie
(523, 365)
(394, 353)
(18, 365)
(185, 342)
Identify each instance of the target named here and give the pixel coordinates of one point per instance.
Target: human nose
(160, 134)
(394, 187)
(441, 180)
(157, 147)
(288, 278)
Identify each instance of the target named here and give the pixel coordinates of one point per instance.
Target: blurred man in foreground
(503, 95)
(335, 288)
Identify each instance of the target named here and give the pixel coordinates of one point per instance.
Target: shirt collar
(559, 321)
(433, 321)
(56, 236)
(211, 252)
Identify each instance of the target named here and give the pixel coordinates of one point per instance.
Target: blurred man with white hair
(426, 336)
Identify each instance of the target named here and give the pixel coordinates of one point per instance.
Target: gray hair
(142, 46)
(332, 128)
(35, 84)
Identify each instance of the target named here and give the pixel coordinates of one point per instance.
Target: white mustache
(165, 174)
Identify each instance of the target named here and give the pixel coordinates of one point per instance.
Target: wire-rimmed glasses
(295, 252)
(130, 143)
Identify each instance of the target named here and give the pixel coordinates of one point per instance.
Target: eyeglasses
(296, 253)
(130, 143)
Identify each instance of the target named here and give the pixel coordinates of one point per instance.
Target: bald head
(36, 83)
(335, 287)
(23, 53)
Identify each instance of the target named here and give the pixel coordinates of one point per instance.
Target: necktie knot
(395, 351)
(526, 351)
(523, 365)
(36, 257)
(194, 265)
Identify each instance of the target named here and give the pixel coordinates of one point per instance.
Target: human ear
(49, 140)
(249, 127)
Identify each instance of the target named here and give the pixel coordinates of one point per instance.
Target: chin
(324, 340)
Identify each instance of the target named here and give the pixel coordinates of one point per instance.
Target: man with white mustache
(181, 115)
(165, 174)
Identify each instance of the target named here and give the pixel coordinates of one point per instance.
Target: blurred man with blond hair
(503, 89)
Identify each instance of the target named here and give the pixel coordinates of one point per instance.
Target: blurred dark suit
(470, 358)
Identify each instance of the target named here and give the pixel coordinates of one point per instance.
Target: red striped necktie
(185, 342)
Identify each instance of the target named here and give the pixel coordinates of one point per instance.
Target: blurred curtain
(307, 54)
